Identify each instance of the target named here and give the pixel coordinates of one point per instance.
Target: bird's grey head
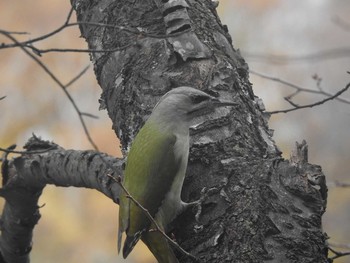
(185, 104)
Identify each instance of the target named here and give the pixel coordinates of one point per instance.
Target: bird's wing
(159, 247)
(151, 168)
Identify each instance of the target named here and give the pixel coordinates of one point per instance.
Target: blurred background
(81, 225)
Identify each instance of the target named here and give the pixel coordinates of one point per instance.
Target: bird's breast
(172, 204)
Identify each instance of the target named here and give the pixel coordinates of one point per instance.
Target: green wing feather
(160, 247)
(150, 170)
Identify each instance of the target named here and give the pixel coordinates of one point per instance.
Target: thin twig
(58, 82)
(150, 217)
(3, 97)
(28, 152)
(338, 184)
(313, 104)
(77, 76)
(289, 84)
(339, 245)
(338, 254)
(66, 24)
(18, 33)
(335, 53)
(289, 100)
(298, 88)
(59, 29)
(89, 115)
(39, 52)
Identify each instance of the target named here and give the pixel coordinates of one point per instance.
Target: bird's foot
(205, 193)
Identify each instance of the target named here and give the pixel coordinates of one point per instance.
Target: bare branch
(58, 82)
(74, 80)
(66, 24)
(338, 254)
(288, 99)
(89, 115)
(39, 52)
(3, 97)
(339, 245)
(24, 178)
(313, 104)
(278, 80)
(25, 43)
(335, 53)
(17, 33)
(27, 152)
(77, 76)
(299, 88)
(338, 184)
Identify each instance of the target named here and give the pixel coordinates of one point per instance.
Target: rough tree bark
(260, 208)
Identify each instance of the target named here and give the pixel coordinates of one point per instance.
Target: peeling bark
(260, 208)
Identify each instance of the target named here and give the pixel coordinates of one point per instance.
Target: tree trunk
(259, 206)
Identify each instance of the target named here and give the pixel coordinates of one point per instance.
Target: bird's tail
(159, 246)
(130, 242)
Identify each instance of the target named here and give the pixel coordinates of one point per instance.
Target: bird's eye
(199, 98)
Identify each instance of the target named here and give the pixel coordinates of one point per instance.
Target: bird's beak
(222, 103)
(210, 105)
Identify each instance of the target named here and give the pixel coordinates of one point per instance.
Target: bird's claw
(205, 192)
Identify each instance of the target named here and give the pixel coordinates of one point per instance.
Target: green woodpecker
(156, 168)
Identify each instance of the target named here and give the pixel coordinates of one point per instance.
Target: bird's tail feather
(130, 242)
(120, 233)
(159, 246)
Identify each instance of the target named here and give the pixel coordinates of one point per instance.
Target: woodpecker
(156, 168)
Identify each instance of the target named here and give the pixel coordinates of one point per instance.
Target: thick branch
(28, 174)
